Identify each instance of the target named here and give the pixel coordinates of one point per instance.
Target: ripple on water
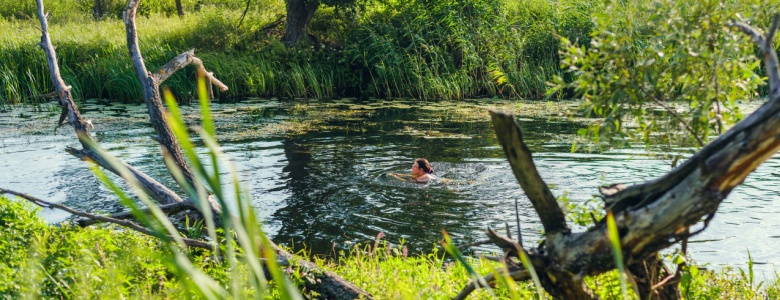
(327, 188)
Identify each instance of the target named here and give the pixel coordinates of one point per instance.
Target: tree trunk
(179, 9)
(150, 84)
(649, 274)
(97, 10)
(299, 14)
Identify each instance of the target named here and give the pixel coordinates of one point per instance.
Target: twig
(477, 243)
(123, 223)
(168, 209)
(517, 219)
(674, 114)
(663, 282)
(717, 102)
(491, 258)
(516, 275)
(506, 244)
(520, 159)
(246, 9)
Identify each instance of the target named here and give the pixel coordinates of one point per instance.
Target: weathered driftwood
(329, 284)
(71, 114)
(168, 209)
(653, 215)
(150, 84)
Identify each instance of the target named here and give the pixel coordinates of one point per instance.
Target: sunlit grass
(433, 59)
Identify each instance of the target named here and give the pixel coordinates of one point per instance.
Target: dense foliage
(423, 49)
(664, 72)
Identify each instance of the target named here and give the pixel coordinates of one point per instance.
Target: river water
(317, 171)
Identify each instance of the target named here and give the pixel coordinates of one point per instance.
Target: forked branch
(71, 113)
(765, 43)
(183, 60)
(151, 91)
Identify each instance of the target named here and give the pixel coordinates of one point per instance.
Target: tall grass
(450, 49)
(429, 50)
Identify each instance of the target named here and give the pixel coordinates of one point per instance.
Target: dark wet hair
(423, 164)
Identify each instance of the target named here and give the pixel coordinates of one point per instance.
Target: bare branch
(517, 220)
(123, 223)
(765, 43)
(509, 246)
(477, 243)
(168, 209)
(519, 156)
(153, 188)
(62, 90)
(181, 61)
(489, 278)
(168, 142)
(772, 31)
(156, 190)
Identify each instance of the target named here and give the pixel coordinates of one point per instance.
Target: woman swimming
(421, 171)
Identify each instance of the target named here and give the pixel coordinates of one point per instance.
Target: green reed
(452, 49)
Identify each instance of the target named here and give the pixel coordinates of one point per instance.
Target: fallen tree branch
(520, 275)
(123, 223)
(656, 214)
(168, 209)
(477, 243)
(181, 61)
(70, 112)
(151, 92)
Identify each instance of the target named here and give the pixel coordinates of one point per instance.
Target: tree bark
(521, 161)
(97, 10)
(299, 14)
(179, 9)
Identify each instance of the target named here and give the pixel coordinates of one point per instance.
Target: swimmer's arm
(399, 176)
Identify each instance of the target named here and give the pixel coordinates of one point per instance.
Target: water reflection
(316, 171)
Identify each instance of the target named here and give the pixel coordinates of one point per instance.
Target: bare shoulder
(425, 178)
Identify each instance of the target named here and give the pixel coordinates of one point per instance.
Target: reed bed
(451, 49)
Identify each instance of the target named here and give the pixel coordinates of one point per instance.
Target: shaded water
(317, 171)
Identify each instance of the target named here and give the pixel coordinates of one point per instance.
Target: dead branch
(520, 275)
(123, 223)
(181, 61)
(168, 209)
(519, 156)
(767, 49)
(151, 91)
(70, 112)
(477, 243)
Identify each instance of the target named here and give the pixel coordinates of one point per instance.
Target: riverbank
(62, 261)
